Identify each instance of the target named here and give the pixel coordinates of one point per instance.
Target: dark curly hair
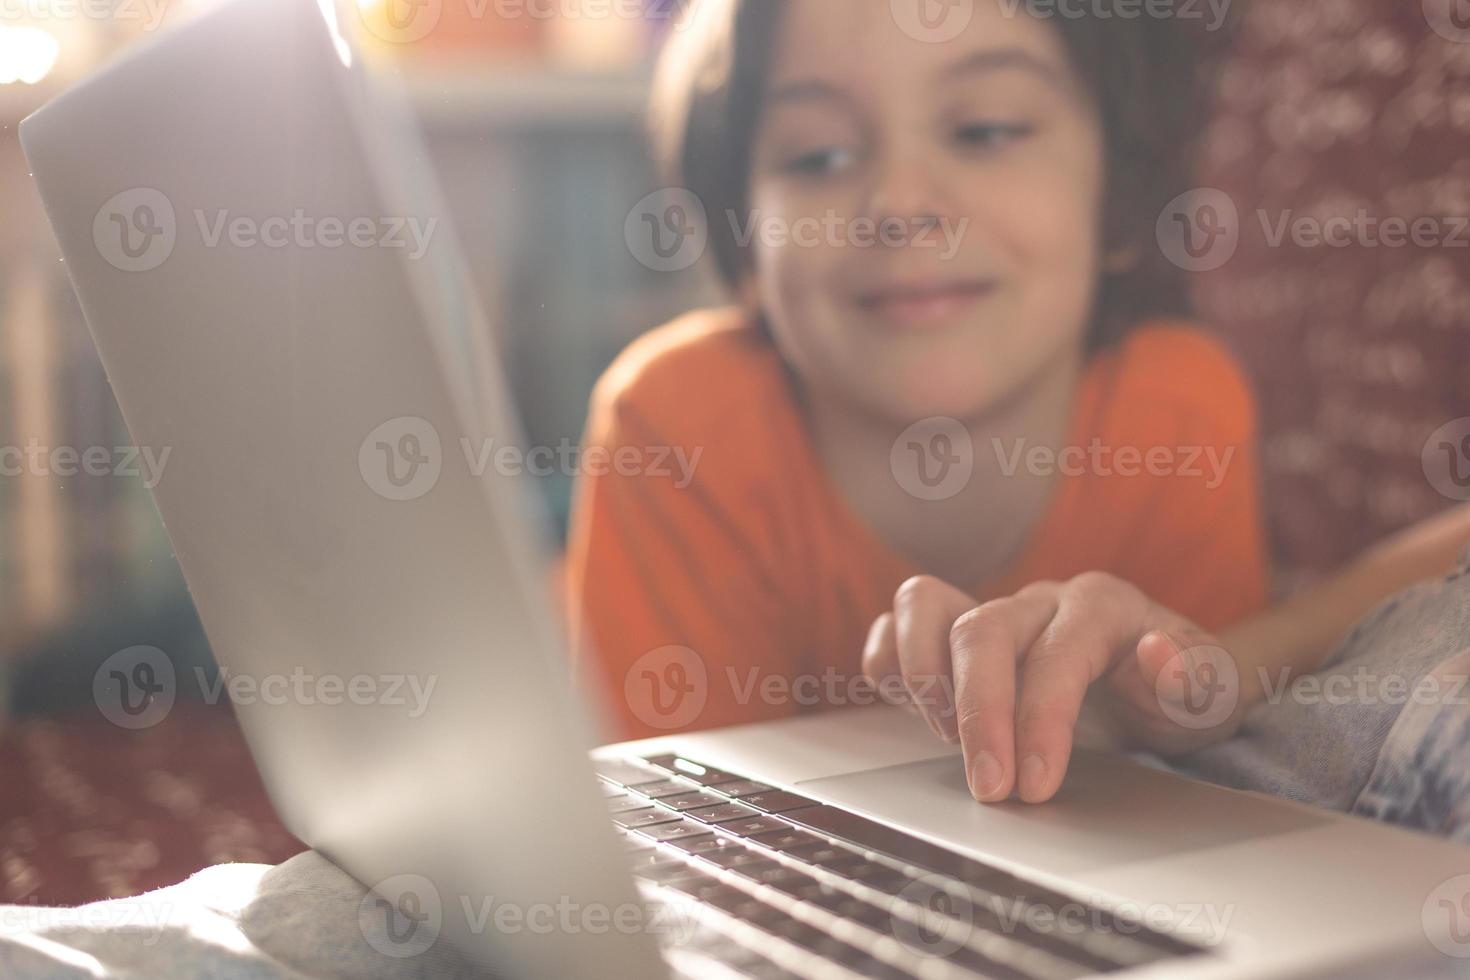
(1148, 77)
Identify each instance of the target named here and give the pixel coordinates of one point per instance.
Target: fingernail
(986, 775)
(1033, 777)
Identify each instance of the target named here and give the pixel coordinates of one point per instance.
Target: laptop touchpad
(1109, 812)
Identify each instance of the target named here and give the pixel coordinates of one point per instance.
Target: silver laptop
(271, 281)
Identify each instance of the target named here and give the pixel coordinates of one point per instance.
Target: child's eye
(988, 135)
(815, 163)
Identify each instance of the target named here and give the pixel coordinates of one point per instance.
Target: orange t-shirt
(717, 576)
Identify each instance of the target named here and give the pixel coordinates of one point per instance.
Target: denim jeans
(1381, 730)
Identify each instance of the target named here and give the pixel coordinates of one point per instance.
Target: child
(1024, 415)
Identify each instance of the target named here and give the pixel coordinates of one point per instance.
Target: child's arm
(1022, 665)
(1299, 634)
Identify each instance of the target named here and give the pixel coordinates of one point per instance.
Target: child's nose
(905, 187)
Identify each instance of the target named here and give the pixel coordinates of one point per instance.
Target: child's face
(987, 136)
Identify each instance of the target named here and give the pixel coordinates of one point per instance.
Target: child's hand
(1020, 667)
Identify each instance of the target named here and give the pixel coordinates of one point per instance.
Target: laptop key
(878, 837)
(758, 913)
(879, 920)
(783, 879)
(775, 801)
(750, 826)
(754, 869)
(741, 787)
(830, 854)
(666, 875)
(732, 859)
(691, 801)
(663, 787)
(722, 812)
(720, 895)
(665, 832)
(635, 819)
(622, 804)
(883, 878)
(700, 844)
(696, 883)
(789, 840)
(858, 870)
(653, 857)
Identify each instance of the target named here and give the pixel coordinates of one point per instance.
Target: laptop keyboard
(799, 888)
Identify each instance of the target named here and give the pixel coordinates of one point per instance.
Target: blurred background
(532, 111)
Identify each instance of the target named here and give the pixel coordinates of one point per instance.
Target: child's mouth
(924, 303)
